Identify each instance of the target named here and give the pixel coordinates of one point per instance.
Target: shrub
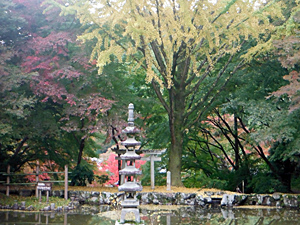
(81, 175)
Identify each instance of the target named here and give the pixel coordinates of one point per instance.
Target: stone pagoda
(129, 172)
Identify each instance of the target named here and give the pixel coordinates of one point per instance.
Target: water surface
(157, 216)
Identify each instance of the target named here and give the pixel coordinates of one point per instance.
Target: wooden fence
(8, 175)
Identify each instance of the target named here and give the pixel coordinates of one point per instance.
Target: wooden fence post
(66, 182)
(37, 178)
(7, 180)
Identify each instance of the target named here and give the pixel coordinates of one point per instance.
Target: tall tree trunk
(81, 147)
(176, 125)
(175, 158)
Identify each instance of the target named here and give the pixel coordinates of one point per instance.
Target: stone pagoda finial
(130, 115)
(130, 130)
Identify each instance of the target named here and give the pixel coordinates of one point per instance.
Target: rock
(260, 199)
(278, 205)
(106, 197)
(47, 208)
(207, 200)
(209, 193)
(15, 206)
(164, 198)
(59, 209)
(276, 196)
(146, 198)
(240, 199)
(29, 208)
(84, 196)
(52, 206)
(95, 194)
(189, 196)
(269, 201)
(290, 201)
(199, 200)
(180, 198)
(227, 200)
(155, 202)
(94, 200)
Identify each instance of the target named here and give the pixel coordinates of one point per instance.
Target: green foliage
(82, 175)
(199, 180)
(10, 34)
(263, 183)
(295, 184)
(102, 179)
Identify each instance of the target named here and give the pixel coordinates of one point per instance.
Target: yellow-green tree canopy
(158, 29)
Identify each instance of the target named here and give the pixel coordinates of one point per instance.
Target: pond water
(185, 215)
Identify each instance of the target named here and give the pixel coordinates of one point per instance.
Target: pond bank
(194, 199)
(203, 198)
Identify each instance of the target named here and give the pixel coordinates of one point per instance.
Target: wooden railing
(8, 175)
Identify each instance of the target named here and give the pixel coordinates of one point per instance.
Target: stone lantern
(129, 184)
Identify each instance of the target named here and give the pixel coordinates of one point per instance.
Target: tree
(284, 153)
(62, 64)
(187, 49)
(49, 107)
(232, 143)
(16, 98)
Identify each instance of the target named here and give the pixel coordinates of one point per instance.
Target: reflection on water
(185, 215)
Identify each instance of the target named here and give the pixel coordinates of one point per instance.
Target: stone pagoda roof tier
(130, 170)
(131, 130)
(130, 186)
(130, 156)
(130, 142)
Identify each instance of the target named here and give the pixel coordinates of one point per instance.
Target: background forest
(218, 92)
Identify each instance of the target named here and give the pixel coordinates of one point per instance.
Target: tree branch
(160, 97)
(20, 145)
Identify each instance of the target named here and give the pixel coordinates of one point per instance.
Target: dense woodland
(214, 82)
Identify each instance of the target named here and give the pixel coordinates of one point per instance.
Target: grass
(32, 201)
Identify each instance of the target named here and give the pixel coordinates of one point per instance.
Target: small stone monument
(129, 184)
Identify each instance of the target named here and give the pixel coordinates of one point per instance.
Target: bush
(263, 183)
(81, 175)
(102, 179)
(199, 179)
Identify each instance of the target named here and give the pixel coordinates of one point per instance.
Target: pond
(157, 216)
